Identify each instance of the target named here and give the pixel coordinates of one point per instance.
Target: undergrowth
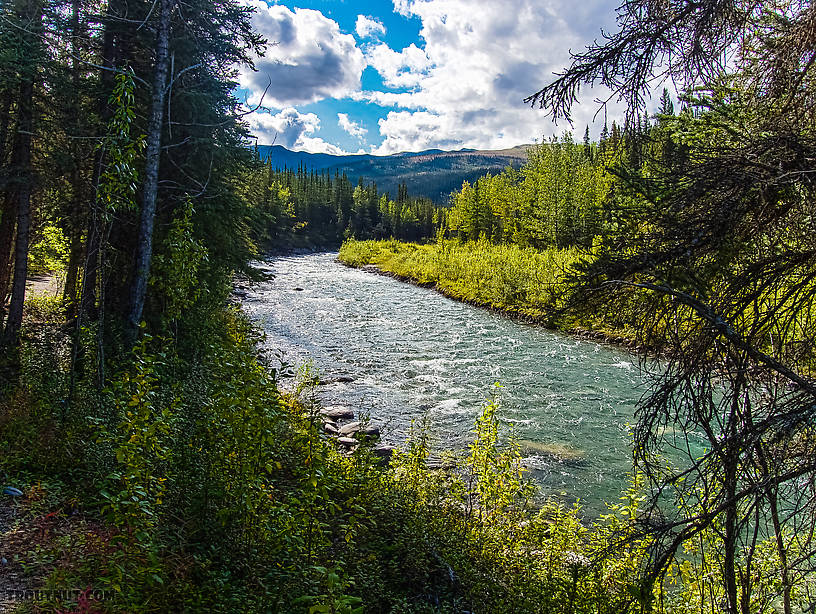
(189, 482)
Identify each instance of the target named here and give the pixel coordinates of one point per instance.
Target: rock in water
(350, 428)
(337, 412)
(343, 379)
(330, 428)
(347, 441)
(371, 432)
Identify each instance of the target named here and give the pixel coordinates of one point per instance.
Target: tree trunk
(87, 290)
(22, 189)
(75, 223)
(730, 537)
(5, 121)
(69, 293)
(144, 248)
(7, 225)
(8, 221)
(30, 14)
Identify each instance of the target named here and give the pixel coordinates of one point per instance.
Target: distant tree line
(296, 206)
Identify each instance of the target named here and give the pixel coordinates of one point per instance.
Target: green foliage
(140, 448)
(175, 271)
(334, 600)
(219, 494)
(519, 280)
(555, 200)
(497, 472)
(49, 253)
(119, 180)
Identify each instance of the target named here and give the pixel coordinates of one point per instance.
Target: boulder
(383, 451)
(372, 432)
(337, 412)
(343, 379)
(347, 441)
(350, 428)
(331, 428)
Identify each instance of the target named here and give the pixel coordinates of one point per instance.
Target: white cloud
(353, 128)
(308, 58)
(369, 27)
(406, 68)
(481, 58)
(291, 129)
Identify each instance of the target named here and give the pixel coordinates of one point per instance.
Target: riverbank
(190, 483)
(406, 353)
(522, 283)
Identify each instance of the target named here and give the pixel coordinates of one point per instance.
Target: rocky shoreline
(339, 424)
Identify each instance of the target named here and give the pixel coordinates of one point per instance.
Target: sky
(381, 77)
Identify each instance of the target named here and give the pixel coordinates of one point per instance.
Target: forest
(150, 459)
(508, 241)
(309, 209)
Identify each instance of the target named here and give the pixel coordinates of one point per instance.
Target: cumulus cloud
(353, 128)
(368, 27)
(308, 58)
(481, 58)
(291, 129)
(406, 68)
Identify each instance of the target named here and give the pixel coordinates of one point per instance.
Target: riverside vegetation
(693, 236)
(520, 281)
(160, 463)
(196, 485)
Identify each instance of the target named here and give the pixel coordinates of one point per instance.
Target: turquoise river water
(404, 353)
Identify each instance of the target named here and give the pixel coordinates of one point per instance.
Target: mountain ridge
(433, 173)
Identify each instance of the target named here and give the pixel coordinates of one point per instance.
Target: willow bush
(508, 277)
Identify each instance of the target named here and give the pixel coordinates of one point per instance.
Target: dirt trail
(43, 284)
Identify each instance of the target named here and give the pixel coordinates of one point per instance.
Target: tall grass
(519, 280)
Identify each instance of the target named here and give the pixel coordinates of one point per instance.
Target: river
(403, 352)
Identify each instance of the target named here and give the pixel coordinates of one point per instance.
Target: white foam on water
(449, 406)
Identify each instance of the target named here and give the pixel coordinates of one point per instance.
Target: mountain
(432, 173)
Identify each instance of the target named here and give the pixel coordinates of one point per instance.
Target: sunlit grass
(507, 277)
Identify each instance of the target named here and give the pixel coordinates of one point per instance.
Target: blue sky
(406, 75)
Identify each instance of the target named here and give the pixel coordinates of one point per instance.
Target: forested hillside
(432, 174)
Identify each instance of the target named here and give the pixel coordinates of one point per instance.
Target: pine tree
(666, 104)
(587, 145)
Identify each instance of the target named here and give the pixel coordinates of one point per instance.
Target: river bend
(412, 353)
